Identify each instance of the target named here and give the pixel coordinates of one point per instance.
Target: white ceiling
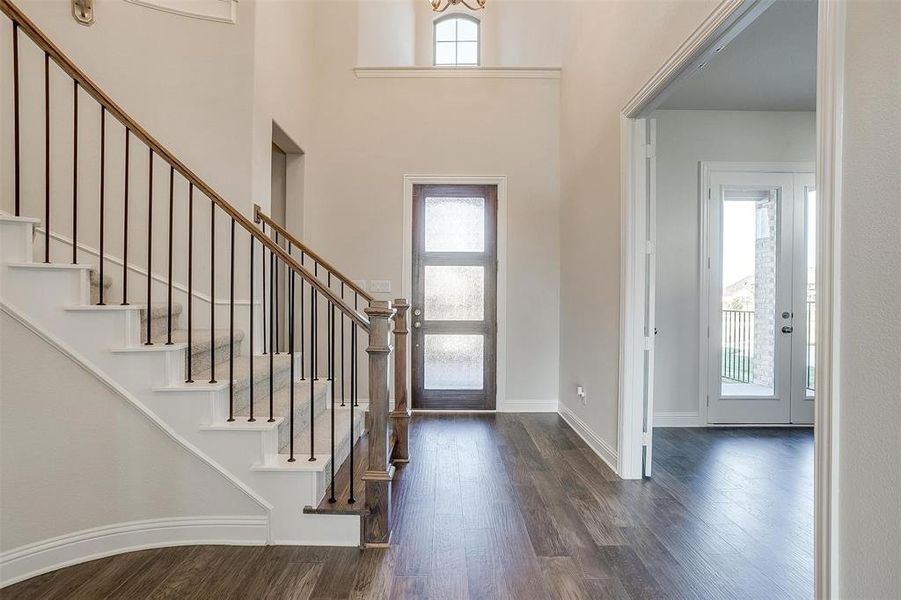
(771, 65)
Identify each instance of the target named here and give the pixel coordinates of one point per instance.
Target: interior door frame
(502, 403)
(726, 20)
(488, 330)
(708, 263)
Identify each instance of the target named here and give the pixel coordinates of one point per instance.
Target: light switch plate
(381, 286)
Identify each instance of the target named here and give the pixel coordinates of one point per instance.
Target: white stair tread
(14, 219)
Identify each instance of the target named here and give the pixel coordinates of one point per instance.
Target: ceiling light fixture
(442, 5)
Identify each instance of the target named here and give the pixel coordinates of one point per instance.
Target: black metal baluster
(353, 401)
(252, 340)
(272, 266)
(169, 284)
(213, 292)
(190, 278)
(46, 158)
(314, 333)
(266, 342)
(75, 174)
(149, 239)
(302, 352)
(275, 294)
(312, 368)
(16, 110)
(102, 192)
(125, 223)
(291, 350)
(332, 498)
(231, 326)
(356, 375)
(342, 347)
(330, 341)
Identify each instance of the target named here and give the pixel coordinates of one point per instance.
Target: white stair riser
(16, 241)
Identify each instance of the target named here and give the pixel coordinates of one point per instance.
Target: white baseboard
(600, 447)
(528, 406)
(82, 546)
(677, 419)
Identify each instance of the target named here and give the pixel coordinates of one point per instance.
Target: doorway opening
(454, 297)
(287, 209)
(676, 115)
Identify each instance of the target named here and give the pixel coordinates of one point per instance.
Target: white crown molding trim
(141, 272)
(726, 21)
(600, 447)
(117, 389)
(90, 544)
(457, 72)
(677, 419)
(221, 11)
(529, 406)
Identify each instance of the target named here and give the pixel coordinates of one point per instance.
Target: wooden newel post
(377, 524)
(401, 413)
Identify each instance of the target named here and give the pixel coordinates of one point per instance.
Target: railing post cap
(401, 304)
(379, 308)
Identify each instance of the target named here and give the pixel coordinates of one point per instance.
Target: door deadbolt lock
(417, 324)
(417, 312)
(786, 315)
(787, 329)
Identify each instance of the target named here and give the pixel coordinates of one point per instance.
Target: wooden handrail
(260, 216)
(63, 61)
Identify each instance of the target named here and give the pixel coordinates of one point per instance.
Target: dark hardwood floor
(516, 506)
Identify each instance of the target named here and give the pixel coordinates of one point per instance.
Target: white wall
(684, 139)
(870, 327)
(372, 132)
(76, 455)
(611, 49)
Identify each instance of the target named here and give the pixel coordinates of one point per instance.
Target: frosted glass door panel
(454, 224)
(454, 362)
(454, 293)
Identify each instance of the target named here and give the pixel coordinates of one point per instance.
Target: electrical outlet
(380, 286)
(580, 392)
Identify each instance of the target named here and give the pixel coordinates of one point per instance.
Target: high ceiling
(771, 65)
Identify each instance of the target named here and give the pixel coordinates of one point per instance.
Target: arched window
(457, 40)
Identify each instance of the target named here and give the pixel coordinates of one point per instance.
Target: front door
(453, 319)
(761, 274)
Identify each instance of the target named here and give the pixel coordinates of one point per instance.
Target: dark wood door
(454, 312)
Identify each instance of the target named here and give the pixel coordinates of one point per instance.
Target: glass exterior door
(454, 296)
(750, 297)
(805, 300)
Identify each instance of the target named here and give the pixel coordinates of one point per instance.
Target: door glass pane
(454, 362)
(454, 224)
(749, 253)
(810, 227)
(454, 293)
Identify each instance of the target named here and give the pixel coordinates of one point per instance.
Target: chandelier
(443, 5)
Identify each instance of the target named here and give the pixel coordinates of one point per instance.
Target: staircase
(248, 344)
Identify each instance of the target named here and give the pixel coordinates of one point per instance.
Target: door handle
(787, 329)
